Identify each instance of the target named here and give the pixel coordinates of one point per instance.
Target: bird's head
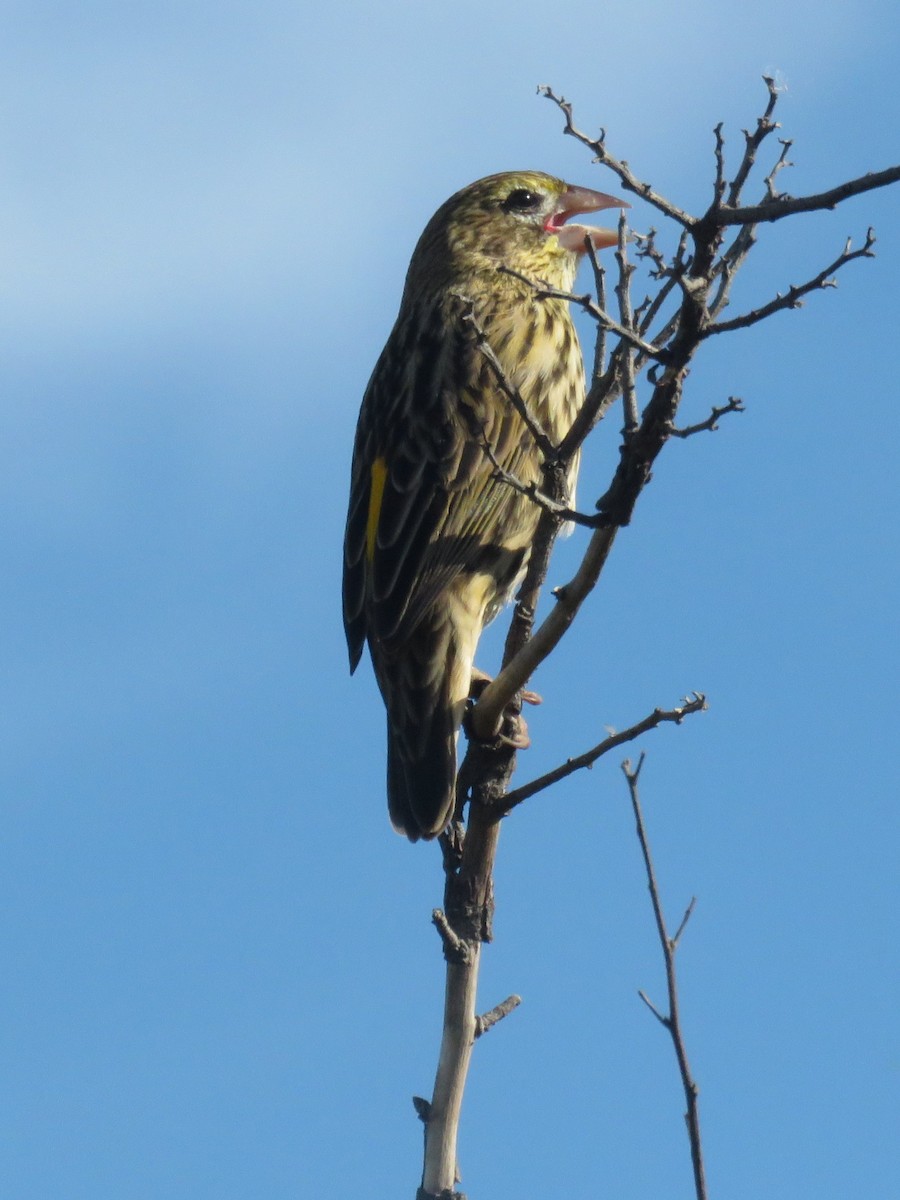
(517, 219)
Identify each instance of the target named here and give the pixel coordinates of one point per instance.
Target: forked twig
(734, 404)
(671, 1020)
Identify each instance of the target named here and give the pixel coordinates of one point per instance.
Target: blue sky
(219, 974)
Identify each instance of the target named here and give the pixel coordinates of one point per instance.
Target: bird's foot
(514, 731)
(480, 680)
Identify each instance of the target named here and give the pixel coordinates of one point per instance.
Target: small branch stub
(688, 913)
(455, 949)
(497, 1013)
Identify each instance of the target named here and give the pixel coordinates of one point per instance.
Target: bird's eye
(522, 200)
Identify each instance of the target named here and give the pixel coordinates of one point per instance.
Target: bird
(436, 540)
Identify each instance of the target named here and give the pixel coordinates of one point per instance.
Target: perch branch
(488, 711)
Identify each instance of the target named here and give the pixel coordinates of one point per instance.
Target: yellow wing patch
(376, 491)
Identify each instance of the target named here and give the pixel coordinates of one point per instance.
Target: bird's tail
(421, 791)
(426, 687)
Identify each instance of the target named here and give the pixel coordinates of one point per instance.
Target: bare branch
(696, 284)
(780, 164)
(719, 184)
(793, 297)
(616, 506)
(521, 626)
(600, 284)
(623, 292)
(732, 259)
(672, 1021)
(696, 703)
(606, 386)
(764, 126)
(497, 1013)
(735, 404)
(556, 508)
(730, 262)
(673, 274)
(544, 292)
(786, 206)
(647, 248)
(659, 1016)
(536, 496)
(688, 913)
(487, 713)
(455, 949)
(467, 905)
(629, 181)
(586, 520)
(542, 441)
(602, 395)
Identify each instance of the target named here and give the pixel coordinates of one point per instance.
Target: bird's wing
(422, 488)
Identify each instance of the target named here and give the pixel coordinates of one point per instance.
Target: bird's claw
(514, 731)
(519, 738)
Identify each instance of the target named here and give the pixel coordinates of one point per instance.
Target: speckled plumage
(434, 545)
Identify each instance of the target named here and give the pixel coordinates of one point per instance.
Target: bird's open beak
(576, 200)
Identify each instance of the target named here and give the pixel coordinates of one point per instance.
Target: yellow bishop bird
(435, 543)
